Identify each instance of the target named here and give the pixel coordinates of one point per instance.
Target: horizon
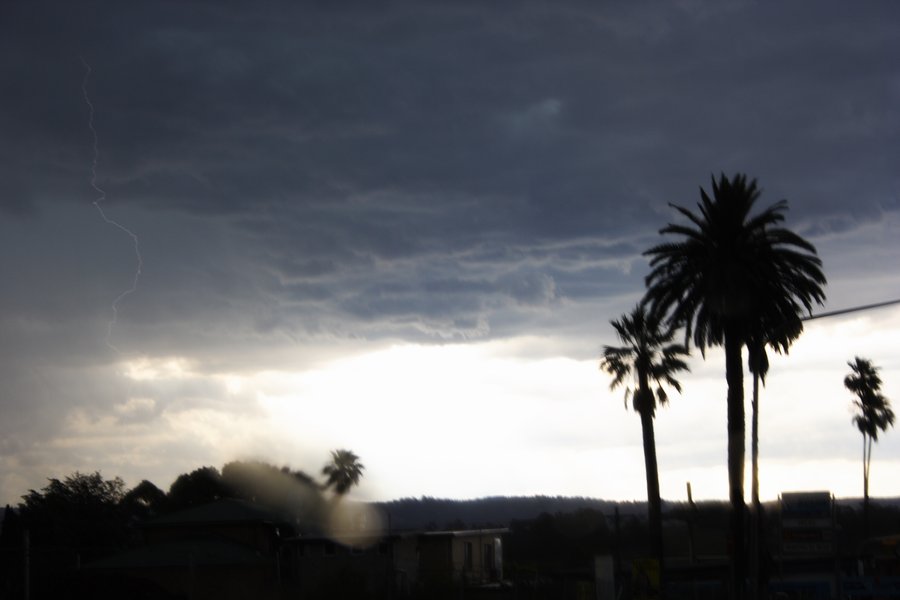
(404, 229)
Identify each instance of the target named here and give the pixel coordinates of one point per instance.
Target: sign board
(807, 527)
(807, 535)
(805, 523)
(808, 548)
(605, 577)
(806, 506)
(645, 578)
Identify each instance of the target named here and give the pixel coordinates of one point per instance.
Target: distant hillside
(498, 511)
(858, 502)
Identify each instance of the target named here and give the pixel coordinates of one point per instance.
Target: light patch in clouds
(465, 420)
(443, 410)
(135, 410)
(144, 369)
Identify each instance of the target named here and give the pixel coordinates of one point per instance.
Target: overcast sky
(403, 228)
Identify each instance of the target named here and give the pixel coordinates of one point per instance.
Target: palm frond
(647, 355)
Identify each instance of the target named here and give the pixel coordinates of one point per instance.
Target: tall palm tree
(758, 365)
(875, 415)
(725, 271)
(649, 356)
(343, 472)
(779, 336)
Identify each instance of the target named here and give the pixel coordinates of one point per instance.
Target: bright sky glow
(507, 425)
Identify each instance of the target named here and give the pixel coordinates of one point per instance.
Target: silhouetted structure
(231, 549)
(228, 549)
(430, 564)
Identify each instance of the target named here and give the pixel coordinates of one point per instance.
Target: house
(468, 557)
(397, 564)
(222, 550)
(233, 549)
(363, 566)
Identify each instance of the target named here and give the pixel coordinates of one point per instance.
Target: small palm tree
(343, 472)
(649, 356)
(727, 273)
(874, 415)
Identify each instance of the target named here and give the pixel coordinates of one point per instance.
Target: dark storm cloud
(15, 198)
(335, 140)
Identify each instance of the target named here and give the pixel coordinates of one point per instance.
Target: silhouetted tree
(874, 415)
(11, 554)
(294, 494)
(774, 329)
(80, 511)
(778, 335)
(726, 270)
(649, 357)
(253, 480)
(758, 365)
(343, 472)
(144, 501)
(200, 486)
(10, 529)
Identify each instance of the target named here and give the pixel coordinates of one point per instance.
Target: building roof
(227, 510)
(368, 538)
(182, 554)
(467, 532)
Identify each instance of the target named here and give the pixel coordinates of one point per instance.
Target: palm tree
(779, 336)
(648, 354)
(875, 415)
(758, 365)
(343, 472)
(728, 273)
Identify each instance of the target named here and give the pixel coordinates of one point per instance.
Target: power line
(844, 311)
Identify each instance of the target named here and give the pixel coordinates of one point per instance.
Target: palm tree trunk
(756, 522)
(867, 460)
(754, 444)
(654, 503)
(734, 375)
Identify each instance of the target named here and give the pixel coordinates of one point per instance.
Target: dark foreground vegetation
(551, 547)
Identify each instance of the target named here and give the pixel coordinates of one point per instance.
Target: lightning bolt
(98, 204)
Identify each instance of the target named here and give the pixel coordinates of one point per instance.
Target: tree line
(737, 279)
(94, 515)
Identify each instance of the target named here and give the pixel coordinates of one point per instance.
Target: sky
(403, 228)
